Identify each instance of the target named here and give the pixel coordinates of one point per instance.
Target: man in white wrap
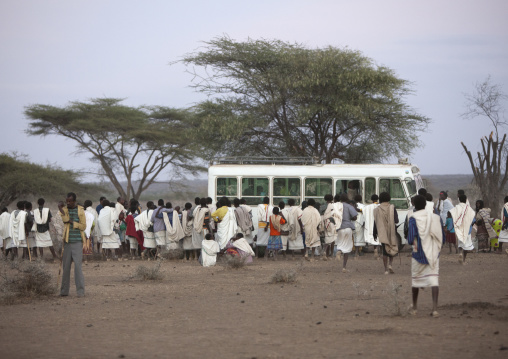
(503, 234)
(368, 215)
(144, 224)
(264, 212)
(42, 218)
(294, 220)
(174, 230)
(226, 227)
(443, 205)
(5, 216)
(426, 235)
(188, 227)
(212, 208)
(249, 238)
(332, 220)
(201, 224)
(107, 221)
(311, 220)
(463, 216)
(285, 227)
(96, 232)
(243, 214)
(359, 232)
(121, 213)
(159, 226)
(209, 250)
(17, 228)
(345, 231)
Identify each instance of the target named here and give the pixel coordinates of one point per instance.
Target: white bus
(302, 179)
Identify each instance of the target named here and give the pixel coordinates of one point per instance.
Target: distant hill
(450, 183)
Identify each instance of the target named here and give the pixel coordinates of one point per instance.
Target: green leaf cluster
(269, 97)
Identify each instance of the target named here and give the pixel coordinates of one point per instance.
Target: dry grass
(173, 254)
(25, 280)
(153, 273)
(284, 276)
(233, 262)
(397, 302)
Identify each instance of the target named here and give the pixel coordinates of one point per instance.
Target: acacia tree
(275, 98)
(490, 166)
(132, 144)
(20, 178)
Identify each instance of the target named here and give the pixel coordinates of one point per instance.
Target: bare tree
(491, 163)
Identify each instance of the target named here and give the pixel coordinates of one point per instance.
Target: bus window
(254, 190)
(351, 187)
(370, 189)
(317, 188)
(286, 188)
(227, 186)
(394, 187)
(411, 186)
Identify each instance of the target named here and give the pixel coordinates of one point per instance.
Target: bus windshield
(411, 186)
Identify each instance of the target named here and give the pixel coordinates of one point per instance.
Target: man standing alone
(75, 224)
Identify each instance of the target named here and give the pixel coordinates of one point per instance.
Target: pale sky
(53, 52)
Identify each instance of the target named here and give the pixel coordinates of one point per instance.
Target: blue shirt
(158, 219)
(98, 208)
(348, 213)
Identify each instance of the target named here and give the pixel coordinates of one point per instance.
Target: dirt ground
(237, 313)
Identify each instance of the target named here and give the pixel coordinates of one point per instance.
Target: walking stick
(28, 246)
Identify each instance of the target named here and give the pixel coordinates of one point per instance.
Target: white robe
(209, 250)
(242, 244)
(17, 228)
(463, 215)
(359, 234)
(107, 221)
(174, 232)
(198, 232)
(431, 235)
(187, 227)
(42, 239)
(143, 222)
(227, 228)
(368, 214)
(249, 237)
(295, 241)
(264, 213)
(4, 228)
(503, 234)
(96, 233)
(310, 220)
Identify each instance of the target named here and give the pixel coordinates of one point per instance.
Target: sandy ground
(226, 313)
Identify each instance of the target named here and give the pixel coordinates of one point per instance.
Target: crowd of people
(205, 230)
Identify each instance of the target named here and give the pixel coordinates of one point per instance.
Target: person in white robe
(96, 232)
(17, 222)
(243, 214)
(311, 220)
(359, 232)
(30, 245)
(503, 234)
(144, 224)
(426, 235)
(188, 227)
(174, 230)
(201, 224)
(107, 221)
(443, 205)
(240, 244)
(248, 237)
(368, 215)
(209, 250)
(264, 211)
(295, 240)
(463, 216)
(285, 212)
(42, 218)
(87, 243)
(5, 216)
(212, 208)
(226, 228)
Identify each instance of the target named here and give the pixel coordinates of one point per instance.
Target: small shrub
(153, 273)
(233, 262)
(397, 302)
(26, 280)
(173, 254)
(284, 276)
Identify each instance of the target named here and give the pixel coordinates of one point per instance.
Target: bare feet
(390, 269)
(434, 314)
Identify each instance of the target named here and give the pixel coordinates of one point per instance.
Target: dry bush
(173, 254)
(153, 273)
(397, 302)
(23, 279)
(284, 276)
(233, 262)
